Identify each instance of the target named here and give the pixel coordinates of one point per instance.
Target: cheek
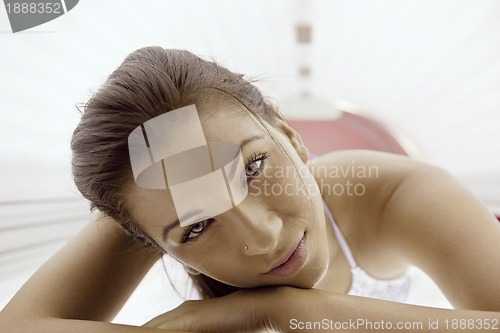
(224, 267)
(207, 253)
(283, 180)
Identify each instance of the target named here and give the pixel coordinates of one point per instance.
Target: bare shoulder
(422, 213)
(354, 179)
(348, 162)
(356, 185)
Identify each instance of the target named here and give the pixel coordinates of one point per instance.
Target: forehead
(228, 121)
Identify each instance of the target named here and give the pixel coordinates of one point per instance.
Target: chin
(310, 275)
(316, 276)
(316, 271)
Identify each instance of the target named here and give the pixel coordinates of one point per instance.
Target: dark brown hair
(149, 82)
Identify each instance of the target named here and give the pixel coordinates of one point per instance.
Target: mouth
(292, 262)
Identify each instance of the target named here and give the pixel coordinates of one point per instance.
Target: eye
(195, 230)
(253, 168)
(255, 165)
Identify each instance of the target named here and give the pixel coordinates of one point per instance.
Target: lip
(292, 262)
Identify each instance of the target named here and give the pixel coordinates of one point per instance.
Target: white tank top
(365, 285)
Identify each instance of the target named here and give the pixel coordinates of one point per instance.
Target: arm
(288, 309)
(86, 282)
(439, 226)
(418, 214)
(332, 312)
(425, 217)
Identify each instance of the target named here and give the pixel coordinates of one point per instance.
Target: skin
(270, 226)
(409, 214)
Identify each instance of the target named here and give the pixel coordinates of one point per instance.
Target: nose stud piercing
(246, 247)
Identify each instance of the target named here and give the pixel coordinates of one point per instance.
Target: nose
(258, 228)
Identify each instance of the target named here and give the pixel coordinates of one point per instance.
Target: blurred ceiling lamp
(303, 33)
(303, 38)
(303, 16)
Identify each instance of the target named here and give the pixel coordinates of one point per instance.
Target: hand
(242, 311)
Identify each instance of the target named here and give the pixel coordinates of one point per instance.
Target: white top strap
(340, 238)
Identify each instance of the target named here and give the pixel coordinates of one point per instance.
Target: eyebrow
(176, 222)
(250, 139)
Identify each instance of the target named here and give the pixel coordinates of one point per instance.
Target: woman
(294, 240)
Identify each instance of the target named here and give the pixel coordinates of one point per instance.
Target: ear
(292, 136)
(191, 271)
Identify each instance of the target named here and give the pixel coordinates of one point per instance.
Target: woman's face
(275, 236)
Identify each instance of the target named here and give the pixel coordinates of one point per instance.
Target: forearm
(318, 311)
(89, 279)
(55, 325)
